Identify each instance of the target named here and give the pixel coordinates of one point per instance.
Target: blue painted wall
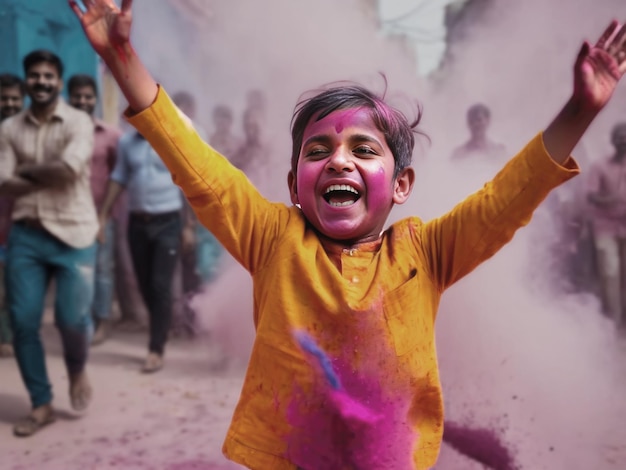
(26, 25)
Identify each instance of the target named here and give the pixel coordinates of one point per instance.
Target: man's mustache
(46, 88)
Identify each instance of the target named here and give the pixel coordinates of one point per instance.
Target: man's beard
(53, 95)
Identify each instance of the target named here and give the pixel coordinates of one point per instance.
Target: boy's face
(345, 181)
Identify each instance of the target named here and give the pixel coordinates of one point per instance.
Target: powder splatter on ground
(482, 445)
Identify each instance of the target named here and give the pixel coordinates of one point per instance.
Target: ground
(173, 420)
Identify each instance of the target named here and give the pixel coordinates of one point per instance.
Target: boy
(326, 272)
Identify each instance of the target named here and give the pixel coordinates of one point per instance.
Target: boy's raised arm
(107, 28)
(597, 71)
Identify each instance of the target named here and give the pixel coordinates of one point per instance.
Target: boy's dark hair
(82, 80)
(42, 55)
(8, 80)
(398, 131)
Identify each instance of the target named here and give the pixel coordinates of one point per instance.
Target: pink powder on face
(481, 445)
(345, 118)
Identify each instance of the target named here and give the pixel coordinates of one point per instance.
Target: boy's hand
(596, 73)
(598, 68)
(106, 26)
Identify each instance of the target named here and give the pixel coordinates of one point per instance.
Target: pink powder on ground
(481, 445)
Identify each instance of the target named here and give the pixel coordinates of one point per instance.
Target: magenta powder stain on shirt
(481, 445)
(347, 421)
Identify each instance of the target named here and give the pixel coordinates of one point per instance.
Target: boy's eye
(317, 152)
(364, 149)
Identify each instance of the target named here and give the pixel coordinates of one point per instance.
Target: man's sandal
(30, 425)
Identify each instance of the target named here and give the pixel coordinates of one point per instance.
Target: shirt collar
(61, 112)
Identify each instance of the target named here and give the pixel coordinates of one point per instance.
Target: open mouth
(341, 195)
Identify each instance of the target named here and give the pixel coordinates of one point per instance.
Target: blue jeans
(34, 257)
(104, 275)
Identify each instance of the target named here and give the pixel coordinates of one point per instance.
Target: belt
(31, 223)
(148, 217)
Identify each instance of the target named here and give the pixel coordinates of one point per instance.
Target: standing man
(44, 164)
(606, 193)
(12, 91)
(83, 94)
(479, 143)
(154, 232)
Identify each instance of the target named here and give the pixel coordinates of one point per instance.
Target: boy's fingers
(618, 41)
(76, 9)
(607, 35)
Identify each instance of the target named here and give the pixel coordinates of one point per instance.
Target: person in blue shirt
(154, 232)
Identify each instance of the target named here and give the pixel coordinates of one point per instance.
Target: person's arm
(222, 197)
(11, 185)
(71, 161)
(46, 175)
(17, 187)
(597, 71)
(108, 30)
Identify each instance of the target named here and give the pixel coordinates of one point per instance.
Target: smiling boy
(325, 267)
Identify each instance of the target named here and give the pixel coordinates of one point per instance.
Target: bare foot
(154, 363)
(80, 391)
(6, 350)
(38, 418)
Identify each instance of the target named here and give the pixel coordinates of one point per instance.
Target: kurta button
(355, 279)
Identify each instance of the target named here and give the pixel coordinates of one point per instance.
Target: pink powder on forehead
(344, 117)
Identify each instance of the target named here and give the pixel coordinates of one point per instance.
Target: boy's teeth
(341, 187)
(341, 204)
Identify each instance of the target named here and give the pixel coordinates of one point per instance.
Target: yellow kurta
(374, 316)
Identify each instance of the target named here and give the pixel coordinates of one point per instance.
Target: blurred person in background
(201, 252)
(83, 95)
(606, 193)
(223, 139)
(12, 94)
(154, 232)
(479, 144)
